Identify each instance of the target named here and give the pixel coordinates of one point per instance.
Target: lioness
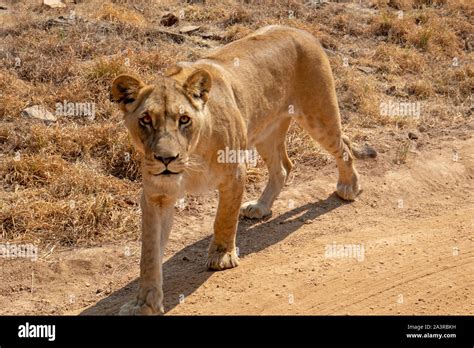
(240, 96)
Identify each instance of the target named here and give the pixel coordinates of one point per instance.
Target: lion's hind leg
(328, 133)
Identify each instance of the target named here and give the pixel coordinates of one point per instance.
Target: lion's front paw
(148, 302)
(219, 260)
(254, 210)
(348, 191)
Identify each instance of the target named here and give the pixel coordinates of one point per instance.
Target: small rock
(422, 128)
(169, 19)
(412, 136)
(88, 284)
(98, 291)
(391, 90)
(60, 21)
(53, 3)
(108, 291)
(185, 258)
(188, 29)
(366, 69)
(39, 112)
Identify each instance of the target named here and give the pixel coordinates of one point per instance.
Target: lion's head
(164, 120)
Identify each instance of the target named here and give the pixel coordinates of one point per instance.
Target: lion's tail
(362, 153)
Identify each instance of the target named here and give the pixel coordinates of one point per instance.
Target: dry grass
(116, 13)
(76, 181)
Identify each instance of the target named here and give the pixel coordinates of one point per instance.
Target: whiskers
(194, 163)
(152, 165)
(191, 165)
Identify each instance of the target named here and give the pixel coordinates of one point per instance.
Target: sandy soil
(415, 222)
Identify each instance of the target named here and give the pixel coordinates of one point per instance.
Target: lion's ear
(125, 90)
(198, 85)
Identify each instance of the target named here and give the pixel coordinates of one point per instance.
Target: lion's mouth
(167, 172)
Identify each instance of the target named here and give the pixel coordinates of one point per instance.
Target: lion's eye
(145, 120)
(184, 120)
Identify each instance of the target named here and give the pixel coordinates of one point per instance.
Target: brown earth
(414, 219)
(418, 257)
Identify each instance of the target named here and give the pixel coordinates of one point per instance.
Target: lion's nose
(166, 160)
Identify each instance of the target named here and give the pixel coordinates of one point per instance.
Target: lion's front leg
(222, 251)
(157, 219)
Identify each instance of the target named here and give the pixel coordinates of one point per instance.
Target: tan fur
(240, 96)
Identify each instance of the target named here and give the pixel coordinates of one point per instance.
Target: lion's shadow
(184, 272)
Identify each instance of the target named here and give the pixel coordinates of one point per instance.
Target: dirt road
(410, 233)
